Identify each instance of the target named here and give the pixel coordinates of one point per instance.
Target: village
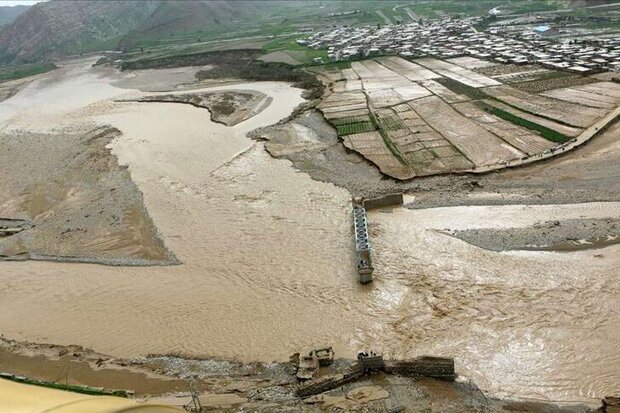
(516, 41)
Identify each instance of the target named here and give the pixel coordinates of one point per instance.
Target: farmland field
(560, 111)
(429, 116)
(604, 95)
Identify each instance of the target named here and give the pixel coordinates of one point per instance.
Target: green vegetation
(235, 64)
(171, 28)
(546, 133)
(533, 6)
(20, 71)
(342, 64)
(9, 14)
(463, 89)
(270, 25)
(388, 142)
(289, 45)
(437, 9)
(391, 123)
(70, 387)
(358, 127)
(240, 57)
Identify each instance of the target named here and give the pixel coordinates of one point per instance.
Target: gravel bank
(82, 205)
(568, 235)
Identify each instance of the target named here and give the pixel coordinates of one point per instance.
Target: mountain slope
(10, 13)
(61, 27)
(208, 17)
(58, 28)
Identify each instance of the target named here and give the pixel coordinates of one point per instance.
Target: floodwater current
(267, 262)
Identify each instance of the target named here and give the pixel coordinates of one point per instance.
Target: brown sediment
(228, 108)
(578, 245)
(81, 204)
(78, 366)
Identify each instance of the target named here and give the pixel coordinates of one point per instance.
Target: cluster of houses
(343, 13)
(587, 56)
(451, 37)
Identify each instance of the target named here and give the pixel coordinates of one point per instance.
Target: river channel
(267, 261)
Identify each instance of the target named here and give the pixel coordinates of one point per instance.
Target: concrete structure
(426, 366)
(441, 368)
(325, 356)
(327, 383)
(307, 366)
(371, 361)
(384, 201)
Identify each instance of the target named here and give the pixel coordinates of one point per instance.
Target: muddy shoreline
(260, 387)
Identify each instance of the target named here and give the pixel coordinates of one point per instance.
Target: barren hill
(56, 28)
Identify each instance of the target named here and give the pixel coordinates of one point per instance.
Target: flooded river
(267, 263)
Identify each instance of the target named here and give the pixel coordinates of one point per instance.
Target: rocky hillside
(10, 13)
(61, 27)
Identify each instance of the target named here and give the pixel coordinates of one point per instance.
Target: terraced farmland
(428, 116)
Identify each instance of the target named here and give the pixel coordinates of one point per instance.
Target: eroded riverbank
(257, 387)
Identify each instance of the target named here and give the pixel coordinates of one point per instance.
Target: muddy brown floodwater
(267, 265)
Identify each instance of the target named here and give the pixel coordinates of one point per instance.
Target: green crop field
(391, 123)
(546, 133)
(19, 71)
(351, 128)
